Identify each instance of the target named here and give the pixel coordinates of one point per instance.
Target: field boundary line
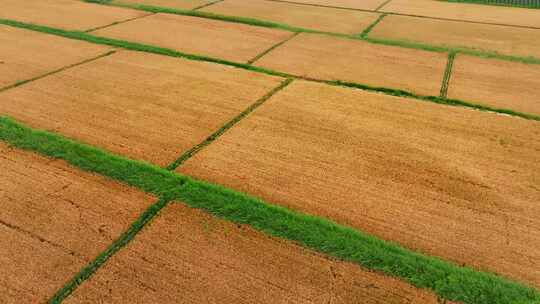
(134, 46)
(125, 238)
(259, 56)
(231, 123)
(118, 22)
(447, 74)
(368, 29)
(447, 280)
(22, 82)
(205, 5)
(382, 5)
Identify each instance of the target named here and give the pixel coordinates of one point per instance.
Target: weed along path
(54, 220)
(140, 105)
(178, 4)
(449, 182)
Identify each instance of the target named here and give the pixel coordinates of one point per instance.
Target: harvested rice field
(269, 151)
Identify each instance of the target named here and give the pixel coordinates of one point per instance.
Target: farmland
(268, 151)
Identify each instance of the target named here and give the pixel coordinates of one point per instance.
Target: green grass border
(447, 74)
(447, 280)
(484, 2)
(173, 53)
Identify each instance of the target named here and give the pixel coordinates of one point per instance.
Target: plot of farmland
(141, 105)
(450, 182)
(466, 12)
(189, 256)
(332, 58)
(497, 83)
(269, 151)
(54, 220)
(310, 17)
(65, 14)
(230, 41)
(20, 61)
(484, 37)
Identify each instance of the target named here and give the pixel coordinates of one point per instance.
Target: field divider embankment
(118, 22)
(448, 280)
(254, 59)
(196, 149)
(21, 82)
(206, 5)
(134, 46)
(447, 74)
(86, 272)
(368, 29)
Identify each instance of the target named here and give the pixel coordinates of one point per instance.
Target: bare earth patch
(495, 38)
(187, 256)
(355, 4)
(143, 106)
(446, 181)
(332, 58)
(65, 14)
(466, 12)
(310, 17)
(178, 4)
(224, 40)
(496, 83)
(54, 220)
(26, 54)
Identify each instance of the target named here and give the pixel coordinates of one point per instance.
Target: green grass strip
(368, 29)
(196, 149)
(172, 53)
(447, 74)
(509, 3)
(102, 258)
(259, 56)
(147, 177)
(445, 279)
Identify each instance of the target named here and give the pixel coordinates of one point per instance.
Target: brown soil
(496, 83)
(187, 256)
(310, 17)
(365, 4)
(179, 4)
(332, 58)
(224, 40)
(143, 106)
(54, 220)
(466, 12)
(25, 54)
(65, 14)
(447, 181)
(502, 39)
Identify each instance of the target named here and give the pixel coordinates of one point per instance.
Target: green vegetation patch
(447, 280)
(511, 3)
